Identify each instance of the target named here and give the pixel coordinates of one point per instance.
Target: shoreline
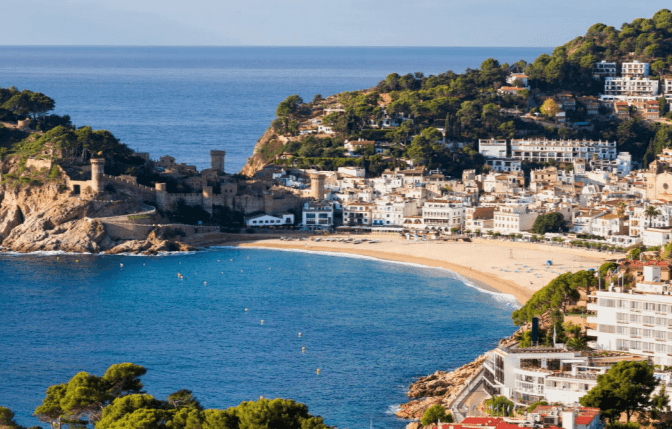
(433, 255)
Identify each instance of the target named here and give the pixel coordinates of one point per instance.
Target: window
(602, 302)
(635, 318)
(609, 329)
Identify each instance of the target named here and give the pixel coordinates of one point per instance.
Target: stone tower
(97, 169)
(317, 186)
(217, 160)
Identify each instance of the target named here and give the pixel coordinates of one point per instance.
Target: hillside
(436, 121)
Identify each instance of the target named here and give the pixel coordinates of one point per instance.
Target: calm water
(186, 101)
(370, 326)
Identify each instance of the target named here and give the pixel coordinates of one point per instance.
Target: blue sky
(311, 22)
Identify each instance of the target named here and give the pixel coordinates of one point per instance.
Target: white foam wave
(504, 298)
(392, 409)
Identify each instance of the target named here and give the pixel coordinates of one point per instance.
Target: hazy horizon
(311, 23)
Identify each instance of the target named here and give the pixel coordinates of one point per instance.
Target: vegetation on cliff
(468, 107)
(116, 400)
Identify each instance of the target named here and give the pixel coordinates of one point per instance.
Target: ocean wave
(392, 409)
(503, 298)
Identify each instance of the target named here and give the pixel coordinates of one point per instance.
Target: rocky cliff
(44, 216)
(264, 152)
(438, 388)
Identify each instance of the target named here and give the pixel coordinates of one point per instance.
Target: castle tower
(217, 160)
(317, 186)
(97, 169)
(163, 202)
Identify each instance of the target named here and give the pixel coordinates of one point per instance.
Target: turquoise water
(371, 327)
(186, 101)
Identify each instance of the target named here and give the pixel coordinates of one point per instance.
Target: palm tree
(577, 343)
(651, 211)
(620, 211)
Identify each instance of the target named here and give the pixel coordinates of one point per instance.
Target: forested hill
(413, 116)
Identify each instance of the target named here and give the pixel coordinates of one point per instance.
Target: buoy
(58, 258)
(241, 271)
(179, 275)
(269, 268)
(303, 349)
(248, 257)
(143, 264)
(299, 334)
(318, 371)
(121, 265)
(246, 310)
(217, 260)
(76, 260)
(205, 283)
(262, 321)
(231, 259)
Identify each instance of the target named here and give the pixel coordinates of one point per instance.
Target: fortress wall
(39, 164)
(138, 231)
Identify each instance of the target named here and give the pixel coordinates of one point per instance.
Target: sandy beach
(491, 262)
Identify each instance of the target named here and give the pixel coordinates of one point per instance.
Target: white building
(390, 213)
(635, 69)
(528, 375)
(636, 321)
(492, 148)
(443, 214)
(265, 220)
(318, 215)
(615, 88)
(521, 77)
(324, 129)
(504, 165)
(513, 219)
(544, 150)
(357, 213)
(657, 236)
(604, 69)
(353, 171)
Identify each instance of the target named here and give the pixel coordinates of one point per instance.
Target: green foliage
(535, 405)
(435, 413)
(554, 296)
(625, 388)
(619, 425)
(659, 403)
(550, 222)
(7, 418)
(499, 406)
(115, 401)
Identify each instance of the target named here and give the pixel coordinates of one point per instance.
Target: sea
(370, 327)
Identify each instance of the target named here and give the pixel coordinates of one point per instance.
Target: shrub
(435, 413)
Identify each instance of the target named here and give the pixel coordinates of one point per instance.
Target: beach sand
(491, 262)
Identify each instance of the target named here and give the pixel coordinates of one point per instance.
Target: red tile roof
(482, 421)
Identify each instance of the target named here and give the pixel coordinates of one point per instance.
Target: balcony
(592, 332)
(592, 306)
(591, 320)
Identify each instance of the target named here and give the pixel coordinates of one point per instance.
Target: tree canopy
(625, 388)
(116, 400)
(549, 222)
(556, 295)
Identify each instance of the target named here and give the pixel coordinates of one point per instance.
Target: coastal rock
(256, 161)
(413, 425)
(154, 244)
(438, 388)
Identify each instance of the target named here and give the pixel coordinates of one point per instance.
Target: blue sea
(371, 327)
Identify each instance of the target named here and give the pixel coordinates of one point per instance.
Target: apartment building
(513, 219)
(637, 320)
(393, 212)
(479, 218)
(544, 150)
(357, 213)
(318, 215)
(504, 165)
(667, 88)
(532, 374)
(619, 87)
(635, 69)
(651, 110)
(604, 69)
(445, 214)
(492, 148)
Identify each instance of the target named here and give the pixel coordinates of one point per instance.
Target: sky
(515, 23)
